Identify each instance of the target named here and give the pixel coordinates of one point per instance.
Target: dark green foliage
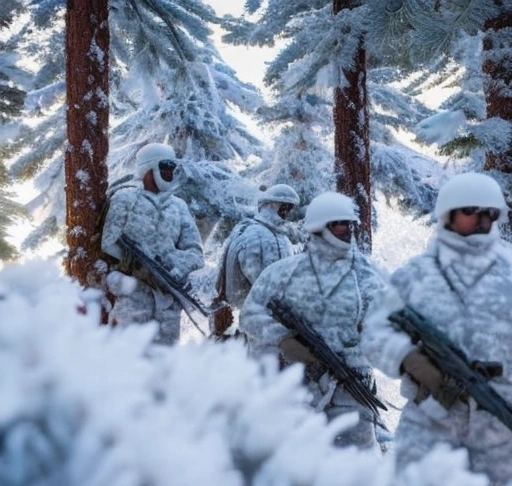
(11, 99)
(10, 212)
(460, 147)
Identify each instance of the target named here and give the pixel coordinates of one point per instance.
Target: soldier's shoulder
(505, 252)
(123, 194)
(413, 267)
(247, 228)
(172, 199)
(123, 184)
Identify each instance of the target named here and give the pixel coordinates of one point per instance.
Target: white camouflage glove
(120, 284)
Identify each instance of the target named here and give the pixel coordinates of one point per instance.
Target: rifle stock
(466, 377)
(350, 379)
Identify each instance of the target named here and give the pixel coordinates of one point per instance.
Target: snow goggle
(166, 168)
(492, 213)
(344, 222)
(166, 164)
(284, 210)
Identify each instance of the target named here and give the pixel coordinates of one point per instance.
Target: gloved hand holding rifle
(444, 371)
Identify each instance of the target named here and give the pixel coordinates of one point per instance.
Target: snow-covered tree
(12, 77)
(475, 36)
(497, 67)
(10, 212)
(12, 96)
(168, 84)
(325, 53)
(87, 83)
(298, 154)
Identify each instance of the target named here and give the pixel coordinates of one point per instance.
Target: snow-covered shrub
(85, 405)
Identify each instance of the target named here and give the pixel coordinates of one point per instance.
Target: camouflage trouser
(335, 400)
(487, 440)
(144, 305)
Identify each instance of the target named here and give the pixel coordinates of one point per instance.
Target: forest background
(382, 100)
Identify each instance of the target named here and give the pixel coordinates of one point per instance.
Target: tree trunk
(351, 139)
(497, 59)
(87, 68)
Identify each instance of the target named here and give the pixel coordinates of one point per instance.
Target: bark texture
(497, 67)
(352, 139)
(87, 68)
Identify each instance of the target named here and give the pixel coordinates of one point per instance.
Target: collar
(317, 245)
(452, 247)
(268, 217)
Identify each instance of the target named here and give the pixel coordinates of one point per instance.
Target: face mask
(334, 241)
(342, 230)
(164, 175)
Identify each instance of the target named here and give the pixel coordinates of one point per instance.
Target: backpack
(121, 183)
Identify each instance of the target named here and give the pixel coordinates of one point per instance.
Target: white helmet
(469, 189)
(149, 157)
(279, 193)
(327, 207)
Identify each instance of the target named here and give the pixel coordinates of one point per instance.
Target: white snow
(89, 405)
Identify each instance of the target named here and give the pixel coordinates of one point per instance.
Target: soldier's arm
(188, 253)
(256, 321)
(383, 345)
(115, 222)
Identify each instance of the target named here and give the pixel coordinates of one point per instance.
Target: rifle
(464, 376)
(335, 363)
(167, 284)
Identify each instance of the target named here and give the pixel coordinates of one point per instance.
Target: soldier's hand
(293, 351)
(423, 371)
(177, 274)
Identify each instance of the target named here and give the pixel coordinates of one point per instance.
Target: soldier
(330, 285)
(462, 285)
(163, 227)
(253, 244)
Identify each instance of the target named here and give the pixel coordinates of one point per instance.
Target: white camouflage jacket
(464, 288)
(161, 223)
(253, 245)
(330, 288)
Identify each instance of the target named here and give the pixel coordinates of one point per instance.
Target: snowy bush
(85, 405)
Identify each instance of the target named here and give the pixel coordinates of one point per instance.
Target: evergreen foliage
(418, 45)
(298, 156)
(12, 96)
(168, 84)
(427, 28)
(314, 42)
